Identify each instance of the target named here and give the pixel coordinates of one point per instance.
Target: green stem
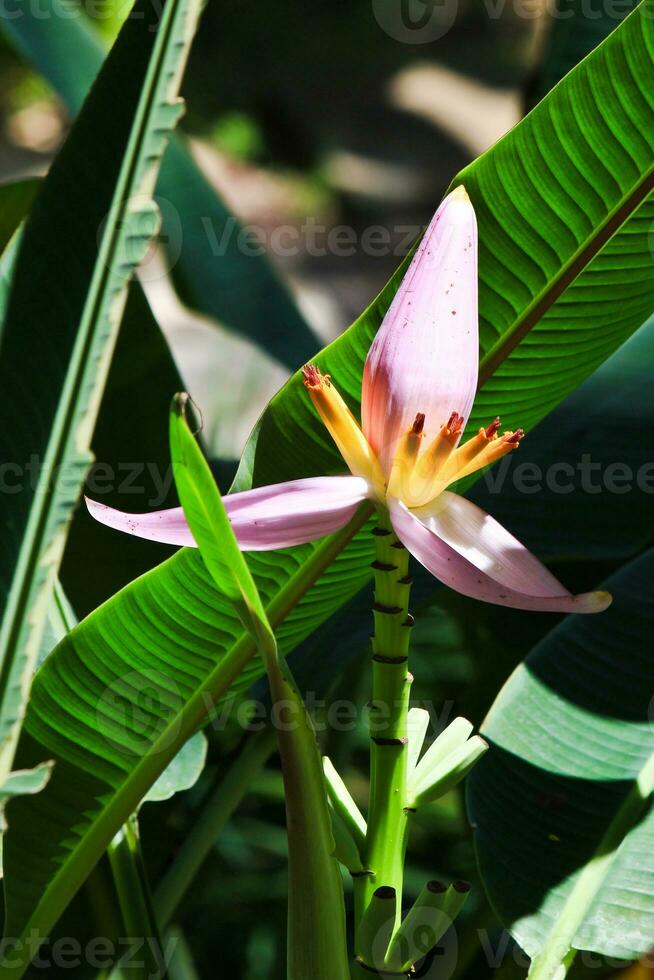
(391, 683)
(215, 814)
(134, 899)
(316, 944)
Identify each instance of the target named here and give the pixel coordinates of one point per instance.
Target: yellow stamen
(441, 464)
(342, 426)
(495, 449)
(399, 484)
(464, 456)
(431, 463)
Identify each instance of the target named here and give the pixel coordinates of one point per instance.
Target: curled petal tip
(94, 506)
(592, 602)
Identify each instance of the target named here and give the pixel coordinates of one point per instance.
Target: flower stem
(391, 683)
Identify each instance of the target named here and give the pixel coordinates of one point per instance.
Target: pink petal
(426, 353)
(165, 526)
(482, 540)
(457, 572)
(291, 513)
(263, 519)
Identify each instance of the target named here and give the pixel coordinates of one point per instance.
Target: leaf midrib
(576, 264)
(593, 876)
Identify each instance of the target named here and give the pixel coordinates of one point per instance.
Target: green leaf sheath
(561, 803)
(386, 837)
(89, 228)
(317, 945)
(207, 518)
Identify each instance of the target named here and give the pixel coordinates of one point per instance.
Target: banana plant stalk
(317, 945)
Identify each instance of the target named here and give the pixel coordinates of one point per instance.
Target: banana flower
(419, 384)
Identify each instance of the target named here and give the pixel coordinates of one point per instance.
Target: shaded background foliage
(301, 115)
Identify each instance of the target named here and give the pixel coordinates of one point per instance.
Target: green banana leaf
(561, 804)
(133, 447)
(182, 773)
(536, 237)
(564, 250)
(209, 270)
(7, 264)
(184, 770)
(592, 456)
(89, 227)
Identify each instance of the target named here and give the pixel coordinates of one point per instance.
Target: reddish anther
(312, 376)
(491, 429)
(455, 423)
(418, 424)
(515, 437)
